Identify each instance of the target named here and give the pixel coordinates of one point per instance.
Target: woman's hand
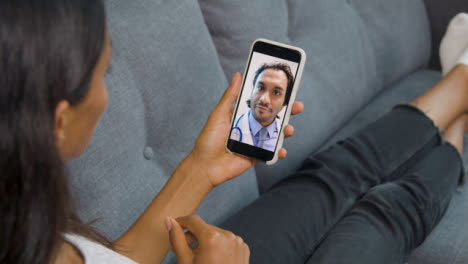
(210, 152)
(215, 245)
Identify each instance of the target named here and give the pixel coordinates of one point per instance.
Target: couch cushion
(400, 93)
(165, 79)
(354, 48)
(448, 242)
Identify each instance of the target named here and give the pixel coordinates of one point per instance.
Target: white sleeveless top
(94, 253)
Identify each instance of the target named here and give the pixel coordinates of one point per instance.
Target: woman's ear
(60, 122)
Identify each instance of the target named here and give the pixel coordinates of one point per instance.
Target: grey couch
(173, 59)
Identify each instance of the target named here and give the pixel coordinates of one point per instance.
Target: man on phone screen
(272, 86)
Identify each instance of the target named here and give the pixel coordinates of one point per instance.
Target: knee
(392, 197)
(403, 208)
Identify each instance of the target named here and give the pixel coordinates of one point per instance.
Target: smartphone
(269, 86)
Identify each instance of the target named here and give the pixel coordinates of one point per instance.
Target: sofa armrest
(440, 13)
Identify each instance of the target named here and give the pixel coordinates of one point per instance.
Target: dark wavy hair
(281, 67)
(48, 52)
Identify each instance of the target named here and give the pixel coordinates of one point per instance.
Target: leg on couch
(447, 100)
(288, 223)
(393, 218)
(456, 132)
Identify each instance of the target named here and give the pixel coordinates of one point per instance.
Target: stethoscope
(236, 132)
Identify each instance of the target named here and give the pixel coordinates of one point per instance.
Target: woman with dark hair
(53, 55)
(53, 58)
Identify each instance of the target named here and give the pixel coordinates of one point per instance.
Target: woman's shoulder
(68, 254)
(91, 252)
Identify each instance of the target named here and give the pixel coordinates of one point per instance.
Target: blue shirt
(272, 136)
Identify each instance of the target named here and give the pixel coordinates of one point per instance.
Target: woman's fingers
(193, 223)
(230, 95)
(297, 108)
(282, 153)
(190, 238)
(214, 243)
(178, 241)
(246, 253)
(288, 131)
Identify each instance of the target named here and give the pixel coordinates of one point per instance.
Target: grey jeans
(370, 198)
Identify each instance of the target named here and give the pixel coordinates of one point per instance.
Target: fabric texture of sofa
(172, 61)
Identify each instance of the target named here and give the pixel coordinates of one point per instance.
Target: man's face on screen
(268, 95)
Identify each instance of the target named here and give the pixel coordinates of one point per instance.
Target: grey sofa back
(355, 49)
(171, 61)
(165, 79)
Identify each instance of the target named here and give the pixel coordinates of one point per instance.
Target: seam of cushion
(367, 39)
(290, 21)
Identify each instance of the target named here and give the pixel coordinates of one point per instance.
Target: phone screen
(264, 100)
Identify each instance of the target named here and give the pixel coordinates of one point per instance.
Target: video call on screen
(262, 106)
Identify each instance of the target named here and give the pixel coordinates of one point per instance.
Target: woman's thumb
(178, 242)
(230, 95)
